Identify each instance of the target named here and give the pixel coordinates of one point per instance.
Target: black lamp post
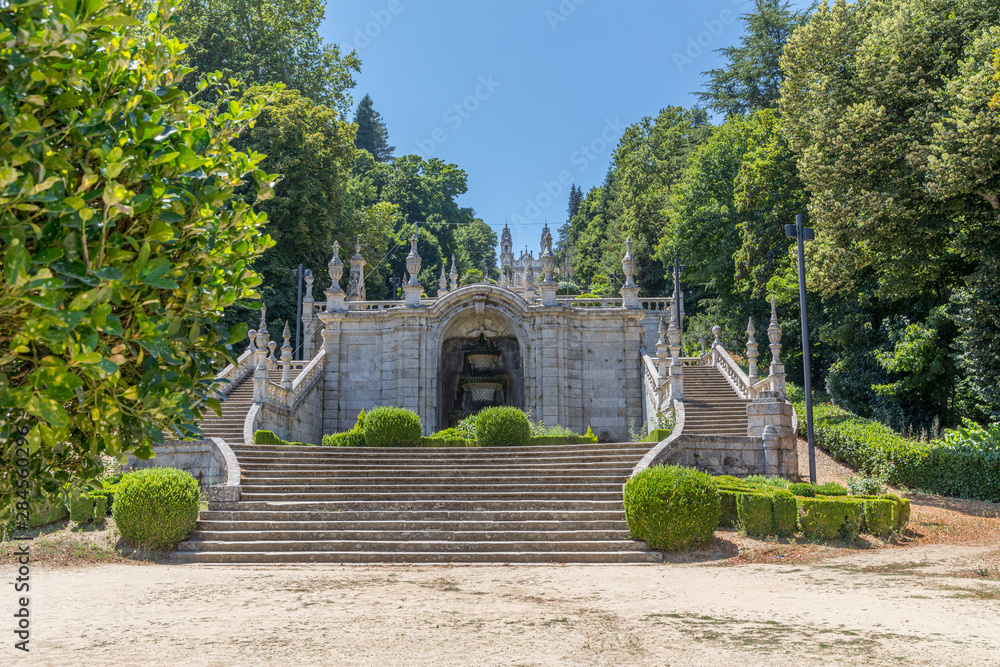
(299, 275)
(803, 234)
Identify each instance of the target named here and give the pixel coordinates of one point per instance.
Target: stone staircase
(229, 426)
(711, 405)
(559, 504)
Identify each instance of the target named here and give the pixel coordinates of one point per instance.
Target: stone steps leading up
(424, 505)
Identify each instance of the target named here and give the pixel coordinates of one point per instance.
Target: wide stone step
(436, 546)
(616, 557)
(442, 495)
(367, 536)
(443, 489)
(478, 453)
(560, 516)
(389, 460)
(389, 477)
(409, 524)
(454, 505)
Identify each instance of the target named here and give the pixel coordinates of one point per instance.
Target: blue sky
(527, 96)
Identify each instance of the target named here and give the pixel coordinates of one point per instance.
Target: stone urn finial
(453, 274)
(628, 264)
(717, 331)
(335, 268)
(548, 261)
(752, 351)
(774, 332)
(442, 283)
(413, 261)
(309, 286)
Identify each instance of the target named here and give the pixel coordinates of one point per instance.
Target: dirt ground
(928, 597)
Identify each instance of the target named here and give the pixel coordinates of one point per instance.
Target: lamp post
(395, 280)
(299, 275)
(802, 234)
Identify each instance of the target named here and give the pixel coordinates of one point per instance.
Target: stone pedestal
(548, 294)
(630, 298)
(411, 295)
(769, 417)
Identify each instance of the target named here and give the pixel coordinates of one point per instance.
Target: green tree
(751, 77)
(372, 134)
(268, 42)
(477, 247)
(122, 237)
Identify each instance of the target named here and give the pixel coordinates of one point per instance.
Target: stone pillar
(286, 359)
(308, 318)
(356, 280)
(335, 295)
(777, 370)
(412, 289)
(548, 286)
(676, 368)
(630, 291)
(662, 349)
(772, 450)
(769, 416)
(260, 377)
(260, 348)
(752, 353)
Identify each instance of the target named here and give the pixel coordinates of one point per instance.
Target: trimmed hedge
(879, 516)
(658, 435)
(354, 438)
(81, 508)
(543, 440)
(502, 426)
(827, 518)
(672, 508)
(803, 490)
(392, 427)
(755, 512)
(786, 512)
(830, 489)
(433, 441)
(45, 510)
(958, 466)
(727, 507)
(270, 438)
(156, 507)
(100, 508)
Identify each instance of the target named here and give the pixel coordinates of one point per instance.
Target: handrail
(231, 375)
(718, 356)
(304, 376)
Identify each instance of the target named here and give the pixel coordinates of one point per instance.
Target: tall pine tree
(372, 134)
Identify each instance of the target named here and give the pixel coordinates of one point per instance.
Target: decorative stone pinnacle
(548, 263)
(453, 274)
(442, 283)
(774, 332)
(413, 261)
(336, 269)
(628, 264)
(704, 344)
(716, 331)
(252, 335)
(752, 351)
(662, 330)
(270, 349)
(263, 317)
(309, 286)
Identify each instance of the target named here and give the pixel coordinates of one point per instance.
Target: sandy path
(911, 606)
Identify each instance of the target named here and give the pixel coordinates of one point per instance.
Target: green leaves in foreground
(120, 239)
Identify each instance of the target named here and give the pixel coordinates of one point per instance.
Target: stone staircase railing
(232, 375)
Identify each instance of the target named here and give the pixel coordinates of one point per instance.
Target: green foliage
(438, 441)
(502, 427)
(269, 438)
(156, 507)
(392, 427)
(772, 481)
(100, 508)
(830, 489)
(81, 508)
(46, 510)
(672, 508)
(961, 467)
(276, 42)
(372, 134)
(727, 506)
(548, 440)
(879, 516)
(352, 438)
(866, 485)
(803, 490)
(754, 513)
(122, 241)
(786, 512)
(827, 518)
(904, 514)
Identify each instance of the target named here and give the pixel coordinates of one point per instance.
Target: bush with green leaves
(672, 508)
(100, 508)
(786, 512)
(754, 513)
(45, 510)
(81, 508)
(802, 489)
(121, 237)
(156, 507)
(866, 485)
(829, 517)
(392, 427)
(271, 438)
(502, 427)
(352, 438)
(879, 516)
(830, 489)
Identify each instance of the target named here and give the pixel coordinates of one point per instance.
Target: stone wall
(203, 460)
(579, 366)
(303, 424)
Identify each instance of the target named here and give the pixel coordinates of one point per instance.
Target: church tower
(506, 257)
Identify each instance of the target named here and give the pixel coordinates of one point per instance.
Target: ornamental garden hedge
(156, 508)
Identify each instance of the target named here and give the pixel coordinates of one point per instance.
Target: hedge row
(270, 438)
(960, 468)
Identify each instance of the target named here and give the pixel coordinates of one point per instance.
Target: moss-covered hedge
(156, 507)
(672, 508)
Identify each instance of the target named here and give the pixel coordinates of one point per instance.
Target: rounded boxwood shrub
(879, 516)
(156, 507)
(81, 508)
(672, 508)
(786, 512)
(802, 490)
(353, 438)
(502, 426)
(754, 512)
(392, 427)
(46, 510)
